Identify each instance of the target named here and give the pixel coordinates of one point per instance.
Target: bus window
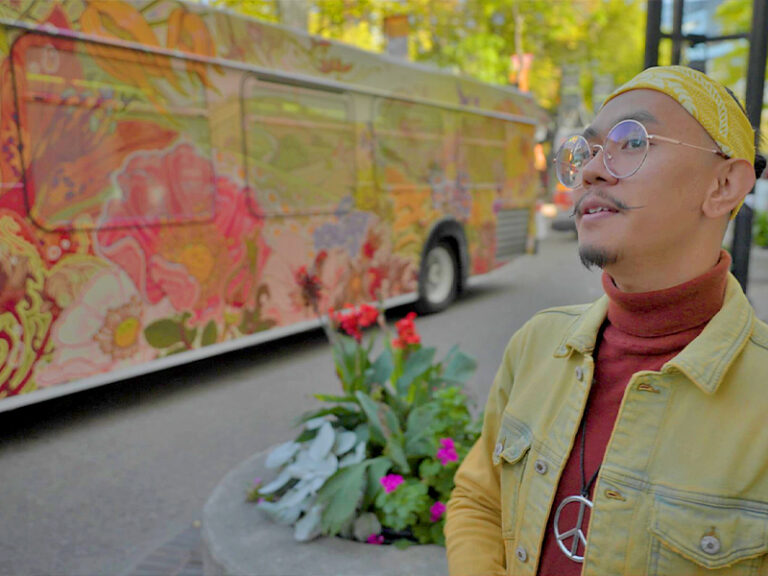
(92, 118)
(482, 144)
(410, 144)
(299, 148)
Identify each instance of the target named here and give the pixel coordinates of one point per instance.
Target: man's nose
(595, 171)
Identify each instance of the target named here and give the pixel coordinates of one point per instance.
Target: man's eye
(633, 144)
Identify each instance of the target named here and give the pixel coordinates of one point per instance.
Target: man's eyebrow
(642, 116)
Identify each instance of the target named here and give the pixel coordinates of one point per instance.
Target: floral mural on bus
(139, 219)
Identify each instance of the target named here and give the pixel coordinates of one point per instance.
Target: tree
(478, 37)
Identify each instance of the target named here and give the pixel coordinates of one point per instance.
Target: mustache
(615, 202)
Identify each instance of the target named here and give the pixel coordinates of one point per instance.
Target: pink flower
(436, 511)
(257, 480)
(390, 482)
(448, 451)
(377, 539)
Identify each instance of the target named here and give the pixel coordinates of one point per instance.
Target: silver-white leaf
(345, 441)
(323, 442)
(280, 513)
(282, 479)
(282, 454)
(308, 528)
(355, 457)
(314, 423)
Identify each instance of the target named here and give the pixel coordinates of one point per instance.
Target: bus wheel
(439, 279)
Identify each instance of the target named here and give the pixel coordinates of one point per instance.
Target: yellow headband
(707, 101)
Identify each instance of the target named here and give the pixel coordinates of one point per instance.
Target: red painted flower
(198, 266)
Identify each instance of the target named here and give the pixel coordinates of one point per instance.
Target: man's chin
(596, 256)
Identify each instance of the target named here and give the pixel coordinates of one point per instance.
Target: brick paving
(180, 556)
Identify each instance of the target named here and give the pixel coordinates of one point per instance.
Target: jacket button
(521, 554)
(710, 545)
(540, 466)
(579, 373)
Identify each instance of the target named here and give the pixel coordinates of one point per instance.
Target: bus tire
(438, 278)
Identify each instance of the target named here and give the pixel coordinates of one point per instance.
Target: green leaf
(210, 333)
(420, 430)
(459, 367)
(381, 369)
(334, 398)
(417, 364)
(163, 333)
(340, 497)
(394, 449)
(378, 469)
(338, 411)
(381, 428)
(345, 358)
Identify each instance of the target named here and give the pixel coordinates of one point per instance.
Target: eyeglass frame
(601, 147)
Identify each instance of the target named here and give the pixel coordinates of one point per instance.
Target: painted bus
(177, 181)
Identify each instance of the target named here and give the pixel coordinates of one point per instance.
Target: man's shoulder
(555, 322)
(561, 312)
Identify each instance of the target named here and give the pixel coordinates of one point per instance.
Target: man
(629, 436)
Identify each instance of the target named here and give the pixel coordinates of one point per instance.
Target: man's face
(653, 213)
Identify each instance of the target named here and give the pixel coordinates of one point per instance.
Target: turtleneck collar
(672, 310)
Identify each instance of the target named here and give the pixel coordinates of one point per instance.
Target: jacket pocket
(719, 536)
(512, 446)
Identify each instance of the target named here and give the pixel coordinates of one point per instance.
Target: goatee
(592, 256)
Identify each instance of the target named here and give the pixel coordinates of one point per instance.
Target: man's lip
(595, 204)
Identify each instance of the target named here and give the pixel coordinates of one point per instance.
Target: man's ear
(735, 178)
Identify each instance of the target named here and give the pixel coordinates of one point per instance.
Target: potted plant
(376, 462)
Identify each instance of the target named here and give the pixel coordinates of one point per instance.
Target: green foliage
(478, 37)
(760, 229)
(401, 508)
(412, 427)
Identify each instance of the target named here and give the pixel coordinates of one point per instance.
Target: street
(94, 482)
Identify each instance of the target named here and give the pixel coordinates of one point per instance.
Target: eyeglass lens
(624, 151)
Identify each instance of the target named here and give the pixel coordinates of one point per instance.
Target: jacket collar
(704, 361)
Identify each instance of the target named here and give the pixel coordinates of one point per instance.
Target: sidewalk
(180, 556)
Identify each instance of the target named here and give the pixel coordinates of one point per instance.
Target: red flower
(406, 332)
(367, 315)
(351, 320)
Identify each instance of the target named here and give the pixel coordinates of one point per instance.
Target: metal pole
(677, 31)
(652, 33)
(758, 48)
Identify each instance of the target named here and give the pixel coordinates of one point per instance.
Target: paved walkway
(181, 556)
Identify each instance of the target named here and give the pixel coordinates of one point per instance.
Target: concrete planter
(238, 540)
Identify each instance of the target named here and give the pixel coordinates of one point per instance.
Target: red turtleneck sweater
(642, 331)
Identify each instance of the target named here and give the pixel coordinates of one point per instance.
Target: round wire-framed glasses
(623, 152)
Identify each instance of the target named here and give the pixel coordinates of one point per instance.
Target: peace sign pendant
(576, 533)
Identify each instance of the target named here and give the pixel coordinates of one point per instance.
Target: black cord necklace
(585, 486)
(576, 535)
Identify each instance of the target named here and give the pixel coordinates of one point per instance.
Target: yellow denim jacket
(683, 488)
